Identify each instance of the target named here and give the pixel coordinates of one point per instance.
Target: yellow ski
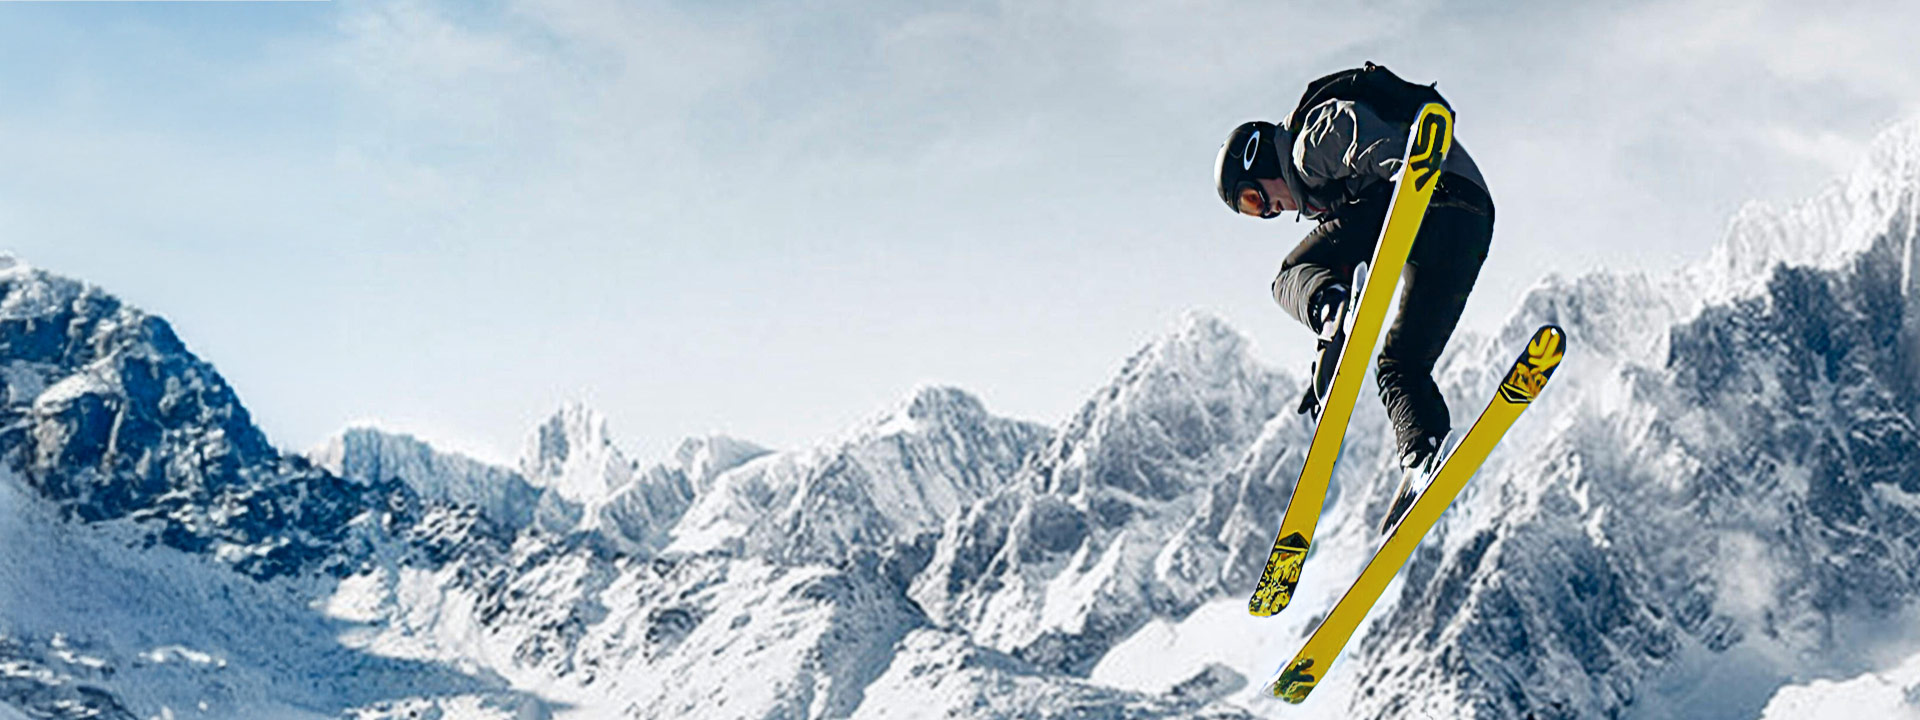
(1524, 382)
(1429, 138)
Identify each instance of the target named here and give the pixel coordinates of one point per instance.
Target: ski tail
(1427, 144)
(1518, 388)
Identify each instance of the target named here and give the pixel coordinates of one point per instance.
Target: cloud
(525, 100)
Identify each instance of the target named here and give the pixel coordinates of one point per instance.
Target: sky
(775, 220)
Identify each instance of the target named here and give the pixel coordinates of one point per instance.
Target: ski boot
(1330, 311)
(1418, 462)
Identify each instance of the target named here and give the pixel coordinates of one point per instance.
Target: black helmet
(1251, 153)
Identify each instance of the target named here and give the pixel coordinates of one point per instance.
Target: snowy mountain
(590, 485)
(572, 455)
(108, 417)
(368, 455)
(1062, 563)
(1893, 694)
(1698, 525)
(893, 478)
(1709, 515)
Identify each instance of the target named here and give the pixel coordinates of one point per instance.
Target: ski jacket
(1344, 149)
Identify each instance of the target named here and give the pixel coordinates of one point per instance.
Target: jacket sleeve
(1345, 141)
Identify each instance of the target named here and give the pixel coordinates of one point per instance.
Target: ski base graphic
(1280, 577)
(1521, 385)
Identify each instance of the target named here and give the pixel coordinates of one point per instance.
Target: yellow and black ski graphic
(1428, 141)
(1521, 385)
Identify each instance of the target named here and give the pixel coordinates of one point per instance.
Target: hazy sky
(774, 219)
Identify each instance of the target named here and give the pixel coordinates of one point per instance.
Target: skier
(1337, 167)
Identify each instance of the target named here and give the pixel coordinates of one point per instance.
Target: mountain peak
(1203, 330)
(573, 454)
(1881, 195)
(704, 457)
(901, 473)
(1200, 347)
(370, 455)
(1183, 397)
(927, 407)
(929, 400)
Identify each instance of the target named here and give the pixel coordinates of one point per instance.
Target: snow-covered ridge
(891, 478)
(107, 414)
(369, 455)
(1071, 558)
(704, 458)
(1192, 396)
(586, 484)
(1892, 694)
(573, 454)
(1880, 196)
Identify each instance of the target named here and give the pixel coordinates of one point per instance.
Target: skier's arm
(1345, 140)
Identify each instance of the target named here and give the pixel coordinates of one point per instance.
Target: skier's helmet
(1251, 153)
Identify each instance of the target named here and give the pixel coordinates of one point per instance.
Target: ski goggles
(1264, 210)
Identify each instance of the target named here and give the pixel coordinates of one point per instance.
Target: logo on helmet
(1246, 153)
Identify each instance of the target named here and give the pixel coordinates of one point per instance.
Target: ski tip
(1535, 366)
(1295, 682)
(1281, 576)
(1264, 607)
(1270, 598)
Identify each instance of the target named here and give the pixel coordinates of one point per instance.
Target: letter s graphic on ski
(1423, 161)
(1429, 138)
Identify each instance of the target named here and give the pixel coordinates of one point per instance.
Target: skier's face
(1265, 198)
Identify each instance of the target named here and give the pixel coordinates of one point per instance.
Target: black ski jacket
(1344, 150)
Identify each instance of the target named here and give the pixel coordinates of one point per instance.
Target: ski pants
(1440, 271)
